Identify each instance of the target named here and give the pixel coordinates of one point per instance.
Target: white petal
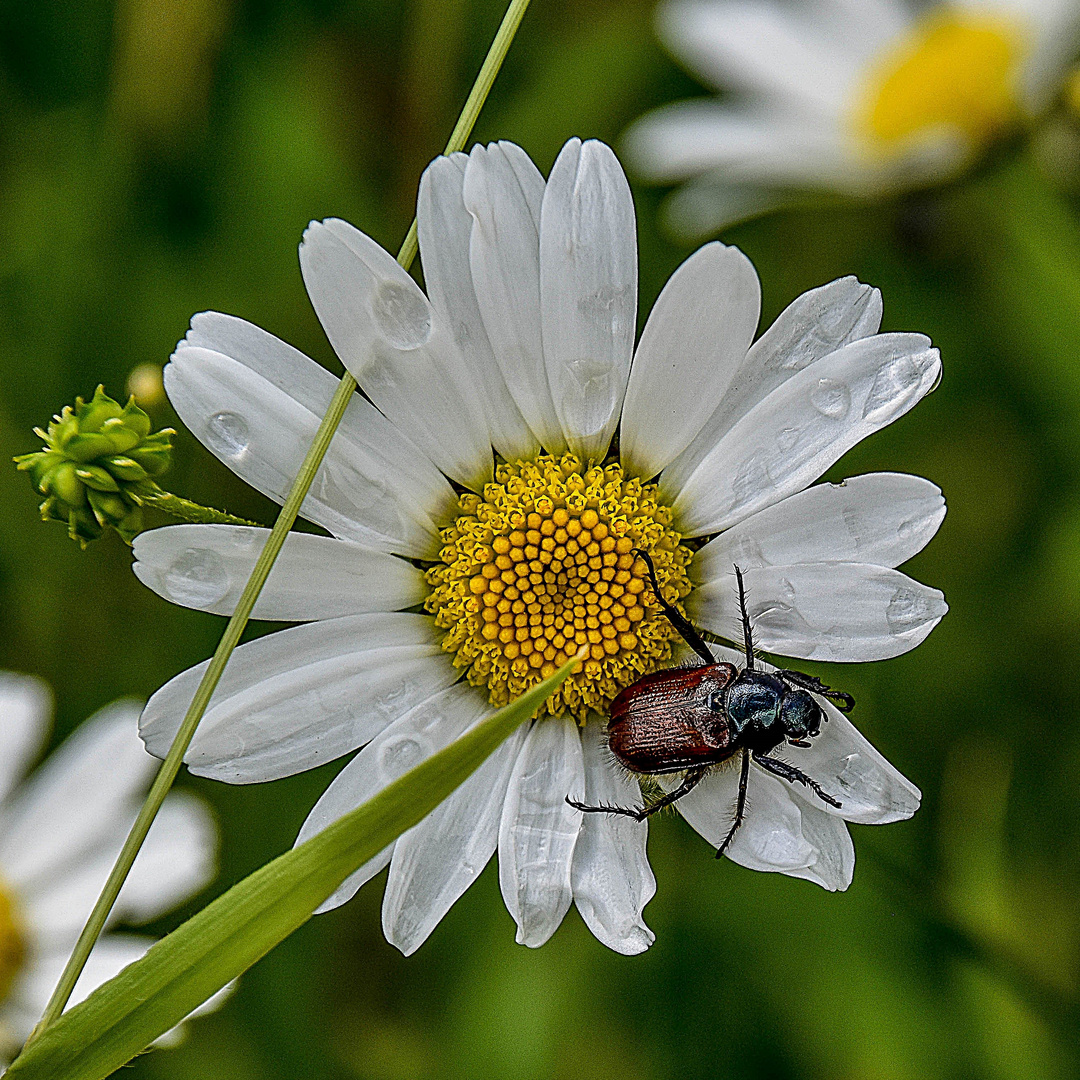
(878, 518)
(396, 346)
(25, 711)
(846, 612)
(256, 403)
(870, 790)
(834, 861)
(445, 228)
(695, 340)
(846, 765)
(610, 874)
(503, 192)
(315, 577)
(778, 833)
(437, 860)
(539, 829)
(771, 836)
(111, 955)
(788, 440)
(742, 146)
(707, 204)
(303, 696)
(812, 326)
(175, 862)
(69, 808)
(588, 292)
(409, 740)
(770, 49)
(177, 859)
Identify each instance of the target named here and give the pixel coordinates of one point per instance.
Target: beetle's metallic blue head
(800, 715)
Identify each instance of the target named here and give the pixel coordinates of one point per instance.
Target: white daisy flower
(857, 96)
(524, 343)
(61, 830)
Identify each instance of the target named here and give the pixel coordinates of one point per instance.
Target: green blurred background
(161, 157)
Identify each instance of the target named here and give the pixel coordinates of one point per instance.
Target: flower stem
(230, 639)
(187, 510)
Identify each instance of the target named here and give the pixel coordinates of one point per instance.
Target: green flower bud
(95, 467)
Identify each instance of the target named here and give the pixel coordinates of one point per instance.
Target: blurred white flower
(524, 342)
(61, 830)
(857, 96)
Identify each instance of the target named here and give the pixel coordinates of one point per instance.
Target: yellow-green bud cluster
(97, 465)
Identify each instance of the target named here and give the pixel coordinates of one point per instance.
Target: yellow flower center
(1072, 91)
(12, 943)
(954, 70)
(543, 564)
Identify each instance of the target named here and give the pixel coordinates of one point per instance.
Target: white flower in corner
(525, 343)
(60, 832)
(857, 96)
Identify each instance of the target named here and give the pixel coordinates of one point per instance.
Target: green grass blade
(122, 1017)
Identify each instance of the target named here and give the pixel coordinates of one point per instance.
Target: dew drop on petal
(373, 505)
(197, 578)
(398, 755)
(401, 314)
(831, 398)
(243, 538)
(892, 386)
(394, 702)
(861, 779)
(588, 397)
(787, 439)
(907, 610)
(751, 479)
(227, 434)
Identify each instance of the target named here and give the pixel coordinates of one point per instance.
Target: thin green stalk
(231, 638)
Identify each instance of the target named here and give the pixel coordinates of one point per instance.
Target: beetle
(690, 719)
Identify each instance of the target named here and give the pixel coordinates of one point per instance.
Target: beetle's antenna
(748, 640)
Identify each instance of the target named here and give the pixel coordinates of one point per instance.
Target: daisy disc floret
(546, 563)
(481, 528)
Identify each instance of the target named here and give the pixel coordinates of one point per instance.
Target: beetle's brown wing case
(663, 723)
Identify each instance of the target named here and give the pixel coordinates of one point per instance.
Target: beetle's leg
(686, 631)
(740, 806)
(844, 702)
(690, 781)
(792, 775)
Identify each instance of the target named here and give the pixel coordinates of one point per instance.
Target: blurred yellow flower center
(955, 70)
(12, 946)
(1072, 91)
(544, 564)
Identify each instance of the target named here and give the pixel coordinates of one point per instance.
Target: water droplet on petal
(398, 755)
(787, 439)
(831, 398)
(197, 578)
(396, 700)
(907, 610)
(751, 479)
(401, 314)
(588, 397)
(227, 434)
(862, 779)
(365, 501)
(244, 538)
(893, 386)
